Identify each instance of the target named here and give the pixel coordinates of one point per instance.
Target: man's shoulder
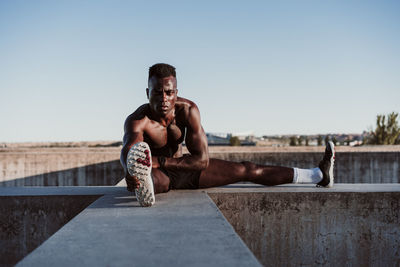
(185, 105)
(188, 112)
(139, 116)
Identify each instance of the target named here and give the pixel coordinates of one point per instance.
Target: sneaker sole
(332, 146)
(139, 166)
(332, 160)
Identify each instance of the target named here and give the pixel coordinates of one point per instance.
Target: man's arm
(196, 143)
(133, 134)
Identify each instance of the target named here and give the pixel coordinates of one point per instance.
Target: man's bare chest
(160, 136)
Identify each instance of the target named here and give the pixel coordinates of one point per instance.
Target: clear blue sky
(74, 70)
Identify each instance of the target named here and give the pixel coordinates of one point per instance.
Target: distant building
(218, 139)
(223, 139)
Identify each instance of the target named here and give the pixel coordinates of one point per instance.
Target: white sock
(307, 176)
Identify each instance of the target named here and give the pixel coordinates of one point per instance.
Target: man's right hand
(132, 183)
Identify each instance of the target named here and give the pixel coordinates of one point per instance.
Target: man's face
(162, 94)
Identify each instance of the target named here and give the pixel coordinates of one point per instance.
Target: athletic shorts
(182, 179)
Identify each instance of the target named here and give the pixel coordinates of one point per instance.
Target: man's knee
(163, 186)
(250, 170)
(160, 181)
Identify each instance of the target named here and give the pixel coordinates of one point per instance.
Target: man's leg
(160, 181)
(222, 172)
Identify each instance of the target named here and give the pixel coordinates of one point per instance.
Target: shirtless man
(152, 155)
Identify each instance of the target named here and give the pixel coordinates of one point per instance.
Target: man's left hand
(155, 163)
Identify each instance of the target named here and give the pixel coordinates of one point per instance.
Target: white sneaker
(139, 166)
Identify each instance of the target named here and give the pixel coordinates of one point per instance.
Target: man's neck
(163, 120)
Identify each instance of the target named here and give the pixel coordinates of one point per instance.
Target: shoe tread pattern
(327, 165)
(139, 166)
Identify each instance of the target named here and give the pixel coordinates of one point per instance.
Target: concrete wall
(60, 167)
(289, 225)
(100, 166)
(27, 221)
(316, 228)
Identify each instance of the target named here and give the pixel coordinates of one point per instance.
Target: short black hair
(161, 70)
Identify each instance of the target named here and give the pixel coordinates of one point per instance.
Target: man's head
(162, 90)
(161, 70)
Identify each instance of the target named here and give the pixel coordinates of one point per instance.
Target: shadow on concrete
(125, 202)
(27, 221)
(251, 185)
(241, 185)
(99, 174)
(350, 167)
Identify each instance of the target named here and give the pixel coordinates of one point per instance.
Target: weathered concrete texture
(27, 221)
(60, 191)
(289, 225)
(184, 228)
(91, 166)
(378, 167)
(311, 226)
(60, 167)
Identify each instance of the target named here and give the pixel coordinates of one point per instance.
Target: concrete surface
(100, 166)
(60, 167)
(288, 225)
(27, 221)
(297, 225)
(30, 215)
(59, 191)
(184, 228)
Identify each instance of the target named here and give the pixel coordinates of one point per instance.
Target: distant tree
(387, 131)
(292, 141)
(307, 140)
(327, 139)
(334, 140)
(234, 141)
(319, 140)
(300, 140)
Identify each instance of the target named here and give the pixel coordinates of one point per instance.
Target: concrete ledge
(291, 225)
(184, 228)
(27, 221)
(250, 188)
